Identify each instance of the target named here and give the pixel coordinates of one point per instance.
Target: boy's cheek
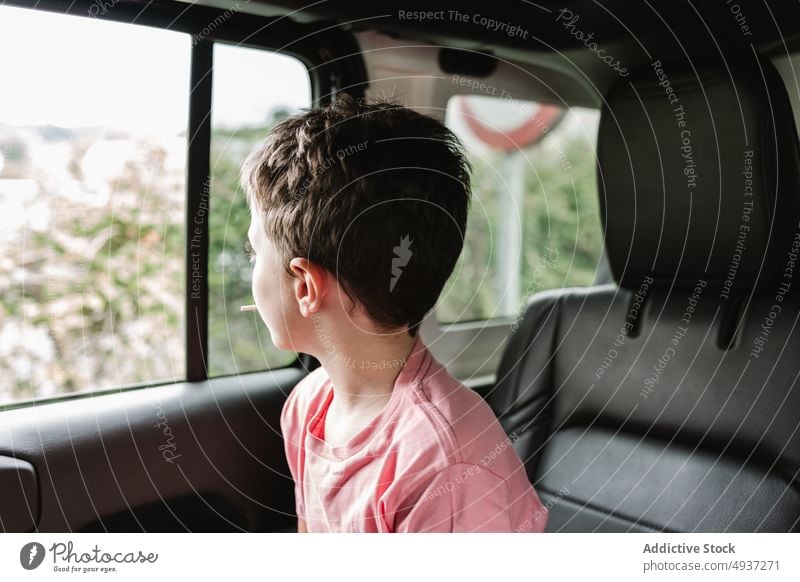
(261, 295)
(269, 302)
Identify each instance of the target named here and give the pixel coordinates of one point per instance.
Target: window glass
(253, 89)
(92, 182)
(534, 223)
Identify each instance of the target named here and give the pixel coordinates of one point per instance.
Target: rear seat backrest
(670, 402)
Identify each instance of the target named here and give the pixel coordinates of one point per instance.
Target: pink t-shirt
(434, 459)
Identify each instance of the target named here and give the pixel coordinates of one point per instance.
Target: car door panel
(203, 456)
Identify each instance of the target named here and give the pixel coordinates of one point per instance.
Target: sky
(74, 71)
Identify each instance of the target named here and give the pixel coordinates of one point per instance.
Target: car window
(92, 204)
(253, 89)
(534, 223)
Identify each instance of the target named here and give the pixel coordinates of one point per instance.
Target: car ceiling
(634, 33)
(694, 26)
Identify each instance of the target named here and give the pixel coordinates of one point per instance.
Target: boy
(358, 218)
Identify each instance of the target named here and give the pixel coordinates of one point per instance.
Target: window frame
(332, 59)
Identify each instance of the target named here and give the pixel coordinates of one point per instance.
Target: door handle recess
(19, 495)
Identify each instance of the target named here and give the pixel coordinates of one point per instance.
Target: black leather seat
(670, 401)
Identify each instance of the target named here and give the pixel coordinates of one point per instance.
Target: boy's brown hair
(377, 194)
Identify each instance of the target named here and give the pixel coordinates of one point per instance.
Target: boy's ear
(310, 285)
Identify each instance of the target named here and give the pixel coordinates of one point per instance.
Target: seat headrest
(699, 175)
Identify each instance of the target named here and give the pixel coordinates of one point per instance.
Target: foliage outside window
(253, 90)
(92, 204)
(557, 210)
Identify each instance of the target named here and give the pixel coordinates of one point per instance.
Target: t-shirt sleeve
(292, 430)
(463, 497)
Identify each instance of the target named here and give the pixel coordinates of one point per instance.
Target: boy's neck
(363, 370)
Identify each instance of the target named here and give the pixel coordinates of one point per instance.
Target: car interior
(655, 391)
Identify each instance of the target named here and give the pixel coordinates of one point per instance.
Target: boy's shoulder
(303, 396)
(439, 417)
(444, 414)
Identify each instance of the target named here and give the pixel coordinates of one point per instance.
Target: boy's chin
(282, 342)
